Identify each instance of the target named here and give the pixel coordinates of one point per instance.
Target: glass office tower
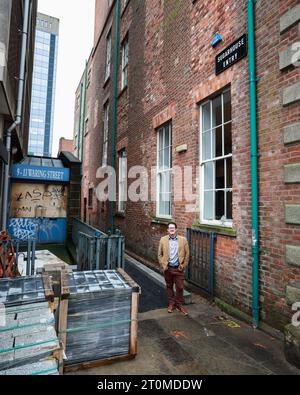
(43, 86)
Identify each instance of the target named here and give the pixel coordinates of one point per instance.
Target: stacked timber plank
(101, 322)
(28, 341)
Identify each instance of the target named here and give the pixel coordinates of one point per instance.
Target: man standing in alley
(173, 256)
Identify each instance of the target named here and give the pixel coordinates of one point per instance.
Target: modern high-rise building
(43, 87)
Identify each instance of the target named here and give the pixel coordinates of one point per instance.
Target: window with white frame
(164, 171)
(216, 160)
(125, 48)
(122, 181)
(105, 134)
(86, 127)
(108, 56)
(89, 77)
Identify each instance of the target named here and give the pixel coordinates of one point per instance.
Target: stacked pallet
(101, 317)
(28, 340)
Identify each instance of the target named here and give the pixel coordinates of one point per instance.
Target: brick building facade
(167, 85)
(65, 145)
(11, 24)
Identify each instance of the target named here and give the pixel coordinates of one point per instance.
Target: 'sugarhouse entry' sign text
(232, 54)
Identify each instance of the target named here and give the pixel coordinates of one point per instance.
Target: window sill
(106, 82)
(122, 91)
(124, 8)
(161, 221)
(221, 230)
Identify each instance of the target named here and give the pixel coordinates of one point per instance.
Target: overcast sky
(75, 44)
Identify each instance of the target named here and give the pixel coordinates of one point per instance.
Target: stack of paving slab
(28, 341)
(99, 316)
(22, 290)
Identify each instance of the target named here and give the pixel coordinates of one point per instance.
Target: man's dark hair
(172, 223)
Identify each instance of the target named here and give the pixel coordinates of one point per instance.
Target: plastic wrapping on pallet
(99, 316)
(22, 290)
(36, 369)
(28, 336)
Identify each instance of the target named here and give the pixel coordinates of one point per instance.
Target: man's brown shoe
(181, 310)
(170, 308)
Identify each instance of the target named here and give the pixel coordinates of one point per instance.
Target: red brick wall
(13, 62)
(171, 71)
(101, 12)
(65, 145)
(97, 95)
(274, 194)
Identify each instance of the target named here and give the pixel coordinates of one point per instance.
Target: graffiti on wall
(48, 228)
(23, 228)
(44, 230)
(39, 201)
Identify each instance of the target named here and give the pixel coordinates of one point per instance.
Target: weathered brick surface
(11, 39)
(171, 71)
(13, 62)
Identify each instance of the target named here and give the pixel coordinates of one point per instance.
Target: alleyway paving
(207, 342)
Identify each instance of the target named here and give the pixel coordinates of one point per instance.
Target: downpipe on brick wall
(83, 114)
(79, 121)
(114, 128)
(18, 117)
(254, 164)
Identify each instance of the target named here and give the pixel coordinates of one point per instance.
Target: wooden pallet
(48, 287)
(95, 364)
(63, 321)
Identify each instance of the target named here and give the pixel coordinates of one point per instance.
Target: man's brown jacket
(164, 252)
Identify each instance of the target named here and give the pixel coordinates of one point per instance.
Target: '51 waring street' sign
(232, 54)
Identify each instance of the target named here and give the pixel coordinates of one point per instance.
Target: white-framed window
(105, 134)
(122, 181)
(86, 127)
(89, 77)
(164, 171)
(216, 160)
(108, 56)
(125, 49)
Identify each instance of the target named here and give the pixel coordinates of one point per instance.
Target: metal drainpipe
(79, 121)
(84, 111)
(254, 163)
(18, 117)
(114, 129)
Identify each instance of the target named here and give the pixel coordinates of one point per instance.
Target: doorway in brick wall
(200, 270)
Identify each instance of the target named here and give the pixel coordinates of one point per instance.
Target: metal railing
(200, 271)
(96, 250)
(100, 253)
(81, 227)
(25, 248)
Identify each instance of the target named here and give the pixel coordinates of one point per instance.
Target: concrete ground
(207, 342)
